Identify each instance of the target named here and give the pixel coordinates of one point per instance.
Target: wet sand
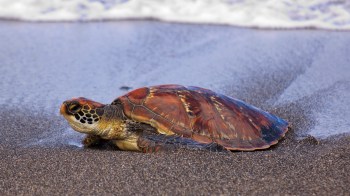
(292, 167)
(283, 72)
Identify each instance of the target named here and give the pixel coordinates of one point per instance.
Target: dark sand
(39, 157)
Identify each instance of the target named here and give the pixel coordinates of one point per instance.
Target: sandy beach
(302, 76)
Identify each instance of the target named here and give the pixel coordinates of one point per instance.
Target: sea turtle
(149, 118)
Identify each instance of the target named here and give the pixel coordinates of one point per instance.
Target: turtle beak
(63, 109)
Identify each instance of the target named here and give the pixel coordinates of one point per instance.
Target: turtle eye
(74, 108)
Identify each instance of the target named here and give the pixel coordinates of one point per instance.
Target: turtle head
(82, 114)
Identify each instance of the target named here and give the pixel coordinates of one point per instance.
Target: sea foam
(325, 14)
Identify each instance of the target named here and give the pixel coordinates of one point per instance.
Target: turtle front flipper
(159, 142)
(148, 146)
(92, 140)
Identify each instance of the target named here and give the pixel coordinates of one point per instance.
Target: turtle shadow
(103, 146)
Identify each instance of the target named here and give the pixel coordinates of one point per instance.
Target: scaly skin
(108, 123)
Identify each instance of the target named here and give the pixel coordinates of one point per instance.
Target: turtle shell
(204, 116)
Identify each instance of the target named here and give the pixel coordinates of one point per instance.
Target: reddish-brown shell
(204, 116)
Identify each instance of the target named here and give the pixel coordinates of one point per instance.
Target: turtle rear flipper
(161, 142)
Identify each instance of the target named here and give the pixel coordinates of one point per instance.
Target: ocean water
(324, 14)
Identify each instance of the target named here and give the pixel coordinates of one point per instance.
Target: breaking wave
(325, 14)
